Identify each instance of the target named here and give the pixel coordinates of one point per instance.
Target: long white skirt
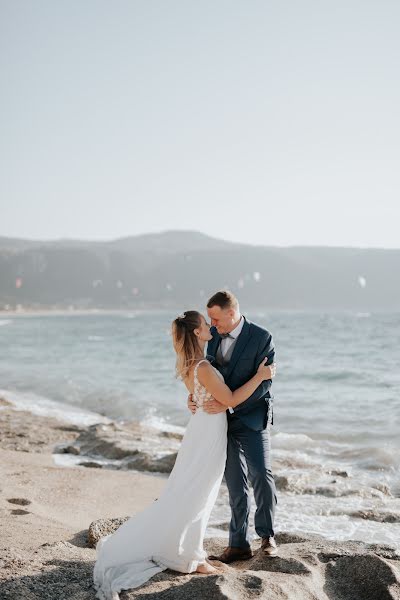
(169, 533)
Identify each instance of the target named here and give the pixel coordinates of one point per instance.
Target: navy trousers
(249, 459)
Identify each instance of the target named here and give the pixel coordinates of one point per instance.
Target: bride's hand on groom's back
(191, 405)
(267, 372)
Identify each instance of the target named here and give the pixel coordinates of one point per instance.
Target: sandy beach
(41, 502)
(46, 510)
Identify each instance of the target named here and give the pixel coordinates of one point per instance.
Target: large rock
(102, 527)
(126, 446)
(376, 515)
(307, 568)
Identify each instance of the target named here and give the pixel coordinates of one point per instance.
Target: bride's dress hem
(128, 576)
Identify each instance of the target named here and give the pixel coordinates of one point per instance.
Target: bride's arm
(213, 384)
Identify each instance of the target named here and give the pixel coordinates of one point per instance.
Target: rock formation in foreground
(308, 568)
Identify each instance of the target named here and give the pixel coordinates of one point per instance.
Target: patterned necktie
(226, 335)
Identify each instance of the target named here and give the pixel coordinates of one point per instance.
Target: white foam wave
(5, 321)
(39, 405)
(319, 515)
(288, 441)
(161, 424)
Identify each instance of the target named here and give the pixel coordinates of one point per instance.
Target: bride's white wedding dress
(169, 533)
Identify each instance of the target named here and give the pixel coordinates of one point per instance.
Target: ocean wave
(287, 460)
(337, 375)
(160, 423)
(373, 458)
(292, 441)
(323, 515)
(5, 322)
(40, 405)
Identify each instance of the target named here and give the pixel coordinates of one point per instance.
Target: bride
(169, 533)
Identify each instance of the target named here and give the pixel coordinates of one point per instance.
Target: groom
(236, 350)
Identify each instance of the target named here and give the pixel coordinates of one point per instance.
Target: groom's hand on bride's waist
(213, 407)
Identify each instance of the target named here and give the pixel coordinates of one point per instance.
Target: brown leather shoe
(268, 545)
(231, 553)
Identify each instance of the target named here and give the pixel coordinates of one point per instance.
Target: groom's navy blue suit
(248, 455)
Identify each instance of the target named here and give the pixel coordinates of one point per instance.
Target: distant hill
(183, 268)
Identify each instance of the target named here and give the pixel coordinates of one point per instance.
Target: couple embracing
(228, 434)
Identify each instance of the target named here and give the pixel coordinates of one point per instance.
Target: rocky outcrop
(375, 515)
(310, 569)
(125, 446)
(102, 527)
(25, 432)
(307, 568)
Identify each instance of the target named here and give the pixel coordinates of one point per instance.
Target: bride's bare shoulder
(204, 365)
(188, 380)
(205, 369)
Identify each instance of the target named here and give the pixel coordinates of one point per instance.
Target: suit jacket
(253, 344)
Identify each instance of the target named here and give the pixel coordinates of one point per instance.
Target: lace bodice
(200, 393)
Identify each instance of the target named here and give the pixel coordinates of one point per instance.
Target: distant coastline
(32, 312)
(162, 271)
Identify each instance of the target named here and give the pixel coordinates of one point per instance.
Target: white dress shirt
(228, 341)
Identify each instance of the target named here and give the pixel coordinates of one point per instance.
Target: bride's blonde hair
(185, 341)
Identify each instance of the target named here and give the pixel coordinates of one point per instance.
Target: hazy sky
(255, 121)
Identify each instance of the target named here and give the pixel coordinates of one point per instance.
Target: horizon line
(193, 231)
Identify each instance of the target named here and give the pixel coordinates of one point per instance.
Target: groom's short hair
(224, 299)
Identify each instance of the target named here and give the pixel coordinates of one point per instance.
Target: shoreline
(345, 504)
(46, 510)
(57, 500)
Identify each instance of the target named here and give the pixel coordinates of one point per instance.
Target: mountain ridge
(173, 268)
